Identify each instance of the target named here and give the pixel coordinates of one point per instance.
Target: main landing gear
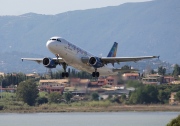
(64, 74)
(95, 74)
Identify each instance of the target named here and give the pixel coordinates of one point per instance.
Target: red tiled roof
(94, 83)
(169, 77)
(131, 74)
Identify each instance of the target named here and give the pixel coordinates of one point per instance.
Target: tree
(95, 96)
(116, 99)
(27, 92)
(178, 95)
(152, 93)
(54, 97)
(145, 94)
(161, 70)
(123, 98)
(174, 122)
(176, 70)
(153, 72)
(163, 96)
(67, 96)
(126, 67)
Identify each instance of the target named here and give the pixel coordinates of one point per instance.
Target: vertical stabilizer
(113, 50)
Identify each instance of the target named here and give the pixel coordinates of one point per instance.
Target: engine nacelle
(96, 62)
(49, 63)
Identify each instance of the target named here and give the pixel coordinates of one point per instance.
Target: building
(172, 100)
(77, 86)
(154, 79)
(131, 76)
(33, 75)
(111, 80)
(168, 79)
(113, 93)
(101, 81)
(2, 74)
(74, 81)
(53, 85)
(175, 82)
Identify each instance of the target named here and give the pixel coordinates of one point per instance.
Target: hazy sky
(18, 7)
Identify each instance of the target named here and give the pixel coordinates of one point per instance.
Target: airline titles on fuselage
(73, 47)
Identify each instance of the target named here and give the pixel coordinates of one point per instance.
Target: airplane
(68, 54)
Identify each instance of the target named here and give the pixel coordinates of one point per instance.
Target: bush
(174, 122)
(54, 97)
(41, 100)
(95, 96)
(1, 107)
(67, 96)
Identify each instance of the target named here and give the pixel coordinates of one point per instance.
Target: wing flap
(123, 70)
(113, 60)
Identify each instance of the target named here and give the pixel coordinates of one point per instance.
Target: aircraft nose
(49, 45)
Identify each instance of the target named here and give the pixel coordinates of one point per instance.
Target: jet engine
(96, 62)
(49, 63)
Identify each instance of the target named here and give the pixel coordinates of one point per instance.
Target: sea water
(88, 119)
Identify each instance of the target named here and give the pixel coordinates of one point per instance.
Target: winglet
(156, 57)
(112, 52)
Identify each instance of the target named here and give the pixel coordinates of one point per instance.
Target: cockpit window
(59, 40)
(56, 40)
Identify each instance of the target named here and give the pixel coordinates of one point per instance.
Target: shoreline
(112, 108)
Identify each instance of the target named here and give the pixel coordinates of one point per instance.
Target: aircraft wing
(123, 70)
(113, 60)
(40, 60)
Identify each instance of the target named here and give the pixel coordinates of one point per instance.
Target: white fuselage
(72, 55)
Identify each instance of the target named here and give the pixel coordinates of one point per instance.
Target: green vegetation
(174, 122)
(176, 70)
(161, 70)
(95, 96)
(12, 79)
(178, 95)
(54, 97)
(134, 83)
(27, 97)
(144, 95)
(67, 96)
(41, 100)
(163, 96)
(27, 92)
(126, 67)
(148, 94)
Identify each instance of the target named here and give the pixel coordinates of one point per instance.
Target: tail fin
(112, 52)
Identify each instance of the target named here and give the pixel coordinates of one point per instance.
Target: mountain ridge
(145, 28)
